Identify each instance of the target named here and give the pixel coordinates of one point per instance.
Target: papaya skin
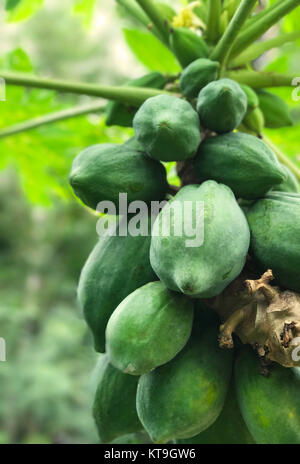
(187, 45)
(197, 75)
(241, 161)
(148, 329)
(186, 395)
(116, 267)
(270, 405)
(193, 270)
(275, 110)
(291, 183)
(114, 404)
(221, 106)
(168, 128)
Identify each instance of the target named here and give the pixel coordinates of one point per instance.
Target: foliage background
(46, 384)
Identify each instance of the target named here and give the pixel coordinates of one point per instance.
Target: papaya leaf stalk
(283, 158)
(213, 24)
(156, 17)
(136, 12)
(261, 79)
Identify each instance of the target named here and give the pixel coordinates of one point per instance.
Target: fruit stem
(230, 326)
(136, 12)
(261, 79)
(282, 157)
(155, 15)
(51, 118)
(224, 46)
(259, 48)
(259, 27)
(213, 25)
(129, 95)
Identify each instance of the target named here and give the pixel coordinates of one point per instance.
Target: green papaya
(114, 408)
(252, 98)
(197, 75)
(185, 396)
(166, 10)
(291, 183)
(168, 128)
(148, 329)
(241, 161)
(275, 236)
(270, 405)
(119, 114)
(200, 223)
(187, 45)
(117, 266)
(276, 111)
(103, 171)
(228, 429)
(255, 121)
(222, 105)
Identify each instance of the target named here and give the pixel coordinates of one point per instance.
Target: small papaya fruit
(252, 98)
(201, 222)
(291, 183)
(102, 171)
(119, 114)
(117, 266)
(148, 329)
(275, 236)
(168, 128)
(221, 105)
(276, 111)
(185, 396)
(187, 45)
(197, 75)
(270, 405)
(228, 429)
(255, 121)
(114, 408)
(241, 161)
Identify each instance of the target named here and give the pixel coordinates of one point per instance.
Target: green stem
(157, 19)
(258, 28)
(259, 48)
(262, 13)
(225, 44)
(51, 118)
(283, 158)
(136, 12)
(123, 94)
(213, 18)
(260, 80)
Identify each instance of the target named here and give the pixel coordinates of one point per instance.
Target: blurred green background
(46, 383)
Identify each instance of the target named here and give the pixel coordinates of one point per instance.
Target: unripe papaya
(200, 223)
(241, 161)
(228, 429)
(166, 11)
(119, 114)
(114, 408)
(148, 329)
(252, 98)
(270, 405)
(291, 183)
(255, 121)
(276, 111)
(222, 105)
(187, 45)
(103, 171)
(275, 236)
(168, 128)
(116, 267)
(197, 75)
(186, 395)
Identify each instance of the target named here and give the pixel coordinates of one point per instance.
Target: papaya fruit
(200, 223)
(255, 121)
(166, 11)
(197, 75)
(103, 171)
(185, 396)
(114, 407)
(168, 128)
(119, 114)
(252, 98)
(187, 46)
(148, 329)
(228, 429)
(117, 266)
(274, 222)
(221, 105)
(241, 161)
(270, 405)
(275, 110)
(291, 183)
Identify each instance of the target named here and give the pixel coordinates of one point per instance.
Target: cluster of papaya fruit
(145, 297)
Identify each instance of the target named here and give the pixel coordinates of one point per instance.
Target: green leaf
(11, 4)
(16, 60)
(85, 9)
(23, 10)
(150, 51)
